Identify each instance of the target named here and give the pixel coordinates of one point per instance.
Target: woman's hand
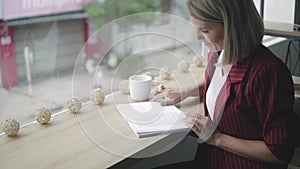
(251, 149)
(169, 96)
(203, 127)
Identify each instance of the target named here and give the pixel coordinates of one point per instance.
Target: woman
(248, 93)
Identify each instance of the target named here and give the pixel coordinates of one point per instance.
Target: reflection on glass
(54, 63)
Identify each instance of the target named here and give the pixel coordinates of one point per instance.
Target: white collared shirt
(215, 86)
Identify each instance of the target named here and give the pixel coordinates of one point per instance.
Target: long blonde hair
(243, 26)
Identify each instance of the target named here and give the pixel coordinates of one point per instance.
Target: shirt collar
(220, 58)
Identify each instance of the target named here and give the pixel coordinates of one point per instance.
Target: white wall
(278, 10)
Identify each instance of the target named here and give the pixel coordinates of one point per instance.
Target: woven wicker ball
(11, 127)
(74, 105)
(165, 72)
(124, 86)
(43, 115)
(149, 74)
(97, 96)
(198, 61)
(183, 66)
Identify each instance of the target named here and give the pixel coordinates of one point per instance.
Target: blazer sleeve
(274, 98)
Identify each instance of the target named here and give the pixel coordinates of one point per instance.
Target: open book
(150, 118)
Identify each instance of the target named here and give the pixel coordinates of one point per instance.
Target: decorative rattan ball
(97, 96)
(183, 66)
(11, 127)
(149, 74)
(198, 61)
(124, 86)
(165, 72)
(74, 105)
(43, 115)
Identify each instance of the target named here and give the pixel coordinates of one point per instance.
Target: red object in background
(7, 56)
(92, 43)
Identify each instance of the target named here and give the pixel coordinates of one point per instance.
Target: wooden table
(97, 137)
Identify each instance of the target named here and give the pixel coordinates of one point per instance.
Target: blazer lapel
(236, 75)
(212, 59)
(222, 98)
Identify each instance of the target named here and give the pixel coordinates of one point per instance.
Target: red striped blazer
(255, 103)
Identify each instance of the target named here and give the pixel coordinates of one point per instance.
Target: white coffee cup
(140, 87)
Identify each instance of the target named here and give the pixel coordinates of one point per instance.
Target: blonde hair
(243, 26)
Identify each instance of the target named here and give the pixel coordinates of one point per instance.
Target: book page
(150, 118)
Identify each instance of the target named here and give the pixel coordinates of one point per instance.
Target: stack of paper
(150, 118)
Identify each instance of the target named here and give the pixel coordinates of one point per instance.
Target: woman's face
(211, 33)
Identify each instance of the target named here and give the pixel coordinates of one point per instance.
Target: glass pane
(54, 63)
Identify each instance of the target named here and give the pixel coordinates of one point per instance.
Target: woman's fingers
(155, 92)
(201, 125)
(196, 122)
(196, 116)
(157, 97)
(166, 97)
(167, 101)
